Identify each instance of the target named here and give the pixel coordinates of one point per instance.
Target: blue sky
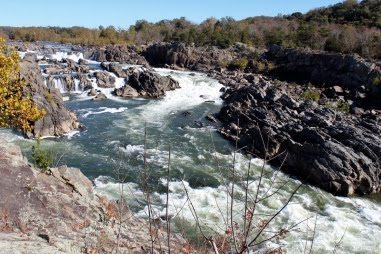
(123, 13)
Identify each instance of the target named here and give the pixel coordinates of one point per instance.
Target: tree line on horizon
(347, 27)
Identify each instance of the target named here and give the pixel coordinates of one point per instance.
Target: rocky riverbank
(333, 150)
(58, 212)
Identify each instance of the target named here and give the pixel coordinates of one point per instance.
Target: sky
(123, 13)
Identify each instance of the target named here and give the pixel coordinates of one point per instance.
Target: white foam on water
(119, 82)
(72, 134)
(103, 110)
(9, 136)
(153, 155)
(22, 54)
(107, 187)
(356, 218)
(195, 89)
(77, 88)
(59, 56)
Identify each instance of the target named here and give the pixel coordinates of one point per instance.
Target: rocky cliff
(59, 213)
(116, 53)
(351, 72)
(203, 59)
(58, 120)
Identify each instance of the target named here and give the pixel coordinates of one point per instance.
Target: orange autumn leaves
(16, 109)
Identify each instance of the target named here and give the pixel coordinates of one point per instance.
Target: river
(111, 147)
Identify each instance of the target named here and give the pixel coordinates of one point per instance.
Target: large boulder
(104, 79)
(146, 83)
(58, 120)
(116, 69)
(126, 91)
(335, 151)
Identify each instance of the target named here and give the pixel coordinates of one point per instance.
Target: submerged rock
(100, 96)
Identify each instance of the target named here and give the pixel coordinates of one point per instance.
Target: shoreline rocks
(60, 213)
(337, 152)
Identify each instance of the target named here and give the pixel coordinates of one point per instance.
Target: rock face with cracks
(338, 152)
(58, 120)
(60, 213)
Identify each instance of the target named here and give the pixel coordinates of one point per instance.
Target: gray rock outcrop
(57, 120)
(116, 53)
(104, 79)
(329, 69)
(335, 151)
(60, 213)
(146, 83)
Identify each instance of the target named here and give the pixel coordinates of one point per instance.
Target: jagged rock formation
(116, 53)
(104, 79)
(351, 72)
(146, 83)
(178, 55)
(335, 151)
(59, 213)
(58, 120)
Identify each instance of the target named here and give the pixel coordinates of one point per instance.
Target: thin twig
(166, 211)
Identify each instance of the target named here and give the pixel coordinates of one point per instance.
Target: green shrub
(343, 106)
(377, 81)
(43, 159)
(239, 64)
(312, 95)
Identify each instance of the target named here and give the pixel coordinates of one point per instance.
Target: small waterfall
(77, 86)
(58, 84)
(59, 56)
